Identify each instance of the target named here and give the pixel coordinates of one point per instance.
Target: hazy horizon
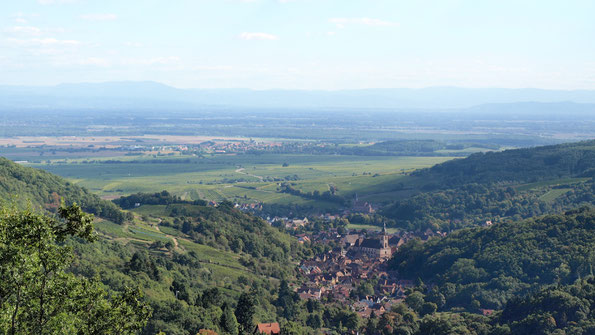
(300, 44)
(151, 94)
(66, 83)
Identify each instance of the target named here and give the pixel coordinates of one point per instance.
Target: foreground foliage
(39, 296)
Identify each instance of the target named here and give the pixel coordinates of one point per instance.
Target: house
(308, 296)
(268, 328)
(303, 239)
(296, 223)
(388, 289)
(486, 312)
(350, 240)
(428, 234)
(314, 293)
(328, 217)
(378, 309)
(396, 241)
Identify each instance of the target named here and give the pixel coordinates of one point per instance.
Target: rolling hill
(526, 165)
(498, 187)
(20, 184)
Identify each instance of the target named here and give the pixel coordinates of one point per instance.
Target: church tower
(384, 237)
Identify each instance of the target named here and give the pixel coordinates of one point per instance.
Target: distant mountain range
(125, 95)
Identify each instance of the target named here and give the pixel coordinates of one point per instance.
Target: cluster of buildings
(215, 146)
(360, 259)
(227, 147)
(359, 206)
(252, 207)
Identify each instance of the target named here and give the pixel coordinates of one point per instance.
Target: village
(229, 146)
(354, 271)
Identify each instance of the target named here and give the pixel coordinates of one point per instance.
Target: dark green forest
(526, 165)
(486, 267)
(474, 204)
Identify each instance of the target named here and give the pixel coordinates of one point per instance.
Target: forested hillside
(486, 267)
(553, 310)
(474, 204)
(526, 165)
(185, 291)
(44, 190)
(498, 187)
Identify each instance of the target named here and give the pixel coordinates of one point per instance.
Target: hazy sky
(305, 44)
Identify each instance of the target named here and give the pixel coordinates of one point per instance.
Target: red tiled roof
(486, 312)
(268, 328)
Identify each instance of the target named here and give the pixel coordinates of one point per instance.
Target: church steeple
(384, 236)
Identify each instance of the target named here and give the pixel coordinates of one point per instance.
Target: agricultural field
(242, 170)
(245, 178)
(551, 195)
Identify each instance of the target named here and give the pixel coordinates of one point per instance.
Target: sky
(300, 44)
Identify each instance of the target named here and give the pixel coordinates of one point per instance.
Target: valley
(284, 167)
(301, 229)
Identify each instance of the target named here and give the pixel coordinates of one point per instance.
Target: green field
(247, 178)
(552, 195)
(354, 226)
(547, 183)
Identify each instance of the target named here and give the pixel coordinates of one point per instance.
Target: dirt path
(173, 238)
(242, 171)
(176, 245)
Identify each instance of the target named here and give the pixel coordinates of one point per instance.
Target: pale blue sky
(303, 44)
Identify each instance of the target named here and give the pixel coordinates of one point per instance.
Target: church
(376, 247)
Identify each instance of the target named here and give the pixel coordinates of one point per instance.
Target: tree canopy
(37, 293)
(485, 267)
